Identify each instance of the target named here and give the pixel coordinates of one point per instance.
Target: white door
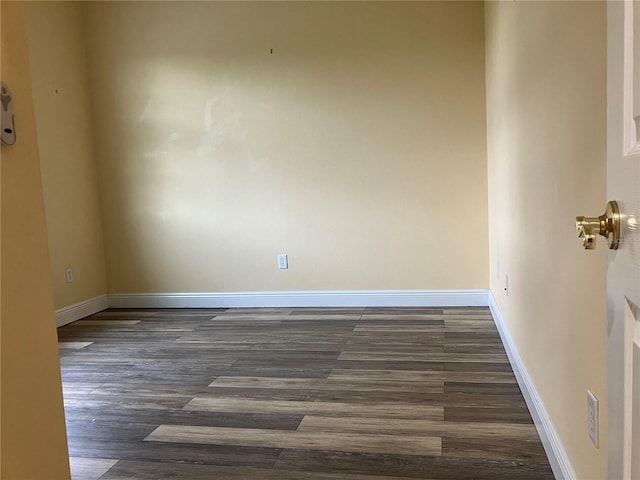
(623, 275)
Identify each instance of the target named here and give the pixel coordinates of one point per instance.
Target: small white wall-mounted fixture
(8, 133)
(283, 263)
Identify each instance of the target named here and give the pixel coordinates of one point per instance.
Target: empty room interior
(303, 240)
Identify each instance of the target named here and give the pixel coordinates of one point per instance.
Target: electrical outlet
(283, 263)
(68, 273)
(592, 418)
(506, 285)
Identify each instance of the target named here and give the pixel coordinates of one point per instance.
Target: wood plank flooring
(294, 394)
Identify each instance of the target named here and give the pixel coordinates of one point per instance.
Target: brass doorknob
(607, 225)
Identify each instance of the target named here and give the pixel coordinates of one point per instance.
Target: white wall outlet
(506, 285)
(283, 263)
(592, 418)
(68, 273)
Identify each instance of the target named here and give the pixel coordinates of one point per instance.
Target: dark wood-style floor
(295, 394)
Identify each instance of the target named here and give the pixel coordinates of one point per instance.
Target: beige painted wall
(65, 135)
(34, 443)
(546, 111)
(357, 147)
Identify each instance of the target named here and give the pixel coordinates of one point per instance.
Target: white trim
(328, 298)
(80, 310)
(556, 453)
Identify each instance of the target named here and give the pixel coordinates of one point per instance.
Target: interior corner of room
(398, 153)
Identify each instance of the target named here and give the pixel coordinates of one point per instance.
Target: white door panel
(623, 274)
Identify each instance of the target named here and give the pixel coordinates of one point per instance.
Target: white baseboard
(80, 310)
(329, 298)
(556, 453)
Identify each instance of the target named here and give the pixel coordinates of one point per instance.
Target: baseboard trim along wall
(329, 298)
(80, 310)
(558, 457)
